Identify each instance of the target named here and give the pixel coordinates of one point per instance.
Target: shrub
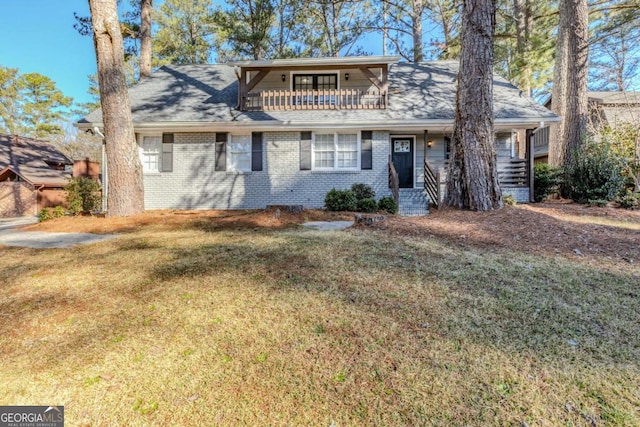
(363, 191)
(546, 179)
(596, 173)
(340, 200)
(509, 200)
(598, 202)
(388, 204)
(629, 200)
(82, 195)
(46, 214)
(367, 205)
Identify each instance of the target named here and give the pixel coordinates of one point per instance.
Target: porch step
(413, 202)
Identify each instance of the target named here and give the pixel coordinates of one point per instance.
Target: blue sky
(37, 36)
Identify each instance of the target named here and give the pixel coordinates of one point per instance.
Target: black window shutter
(256, 151)
(305, 151)
(221, 151)
(366, 152)
(167, 152)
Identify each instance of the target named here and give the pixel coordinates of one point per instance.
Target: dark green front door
(402, 158)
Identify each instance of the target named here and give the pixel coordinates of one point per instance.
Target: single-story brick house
(248, 134)
(32, 175)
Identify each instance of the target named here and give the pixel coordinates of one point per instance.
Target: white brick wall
(521, 194)
(194, 183)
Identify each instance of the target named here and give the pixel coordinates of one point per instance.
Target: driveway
(11, 235)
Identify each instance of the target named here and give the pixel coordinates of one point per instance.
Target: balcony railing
(330, 99)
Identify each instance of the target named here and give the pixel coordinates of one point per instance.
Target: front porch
(430, 160)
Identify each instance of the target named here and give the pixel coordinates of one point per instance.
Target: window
(151, 153)
(347, 151)
(335, 151)
(239, 149)
(447, 148)
(315, 81)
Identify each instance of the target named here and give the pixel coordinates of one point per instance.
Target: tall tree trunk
(145, 38)
(126, 195)
(524, 27)
(472, 180)
(416, 29)
(559, 92)
(570, 77)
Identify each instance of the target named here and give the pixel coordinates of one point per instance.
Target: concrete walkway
(6, 223)
(328, 225)
(10, 235)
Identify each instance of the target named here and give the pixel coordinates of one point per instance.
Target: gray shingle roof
(28, 158)
(417, 92)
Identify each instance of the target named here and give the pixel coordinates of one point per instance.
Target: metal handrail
(432, 183)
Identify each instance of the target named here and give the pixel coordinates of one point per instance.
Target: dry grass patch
(197, 321)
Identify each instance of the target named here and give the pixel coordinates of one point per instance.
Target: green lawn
(196, 324)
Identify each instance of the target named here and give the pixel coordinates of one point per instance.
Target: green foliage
(546, 179)
(509, 200)
(185, 32)
(246, 27)
(388, 204)
(46, 214)
(31, 104)
(367, 205)
(629, 200)
(82, 195)
(363, 191)
(623, 139)
(340, 200)
(596, 173)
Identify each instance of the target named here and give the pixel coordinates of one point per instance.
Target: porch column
(530, 135)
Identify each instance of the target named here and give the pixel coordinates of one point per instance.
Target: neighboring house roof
(419, 95)
(615, 107)
(31, 159)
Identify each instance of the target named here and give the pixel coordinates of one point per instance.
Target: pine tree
(185, 32)
(125, 195)
(472, 180)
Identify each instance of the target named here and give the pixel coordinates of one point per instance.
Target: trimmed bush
(46, 214)
(363, 191)
(367, 205)
(83, 195)
(546, 180)
(629, 200)
(388, 204)
(509, 200)
(597, 173)
(340, 200)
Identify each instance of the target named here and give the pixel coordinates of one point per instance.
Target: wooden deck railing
(330, 99)
(432, 184)
(394, 182)
(513, 173)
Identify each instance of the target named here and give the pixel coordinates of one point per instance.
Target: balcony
(329, 99)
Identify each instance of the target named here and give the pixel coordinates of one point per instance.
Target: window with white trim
(239, 150)
(151, 153)
(336, 151)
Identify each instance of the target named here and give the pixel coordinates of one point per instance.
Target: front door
(402, 158)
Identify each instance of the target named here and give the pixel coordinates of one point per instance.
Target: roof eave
(279, 125)
(305, 62)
